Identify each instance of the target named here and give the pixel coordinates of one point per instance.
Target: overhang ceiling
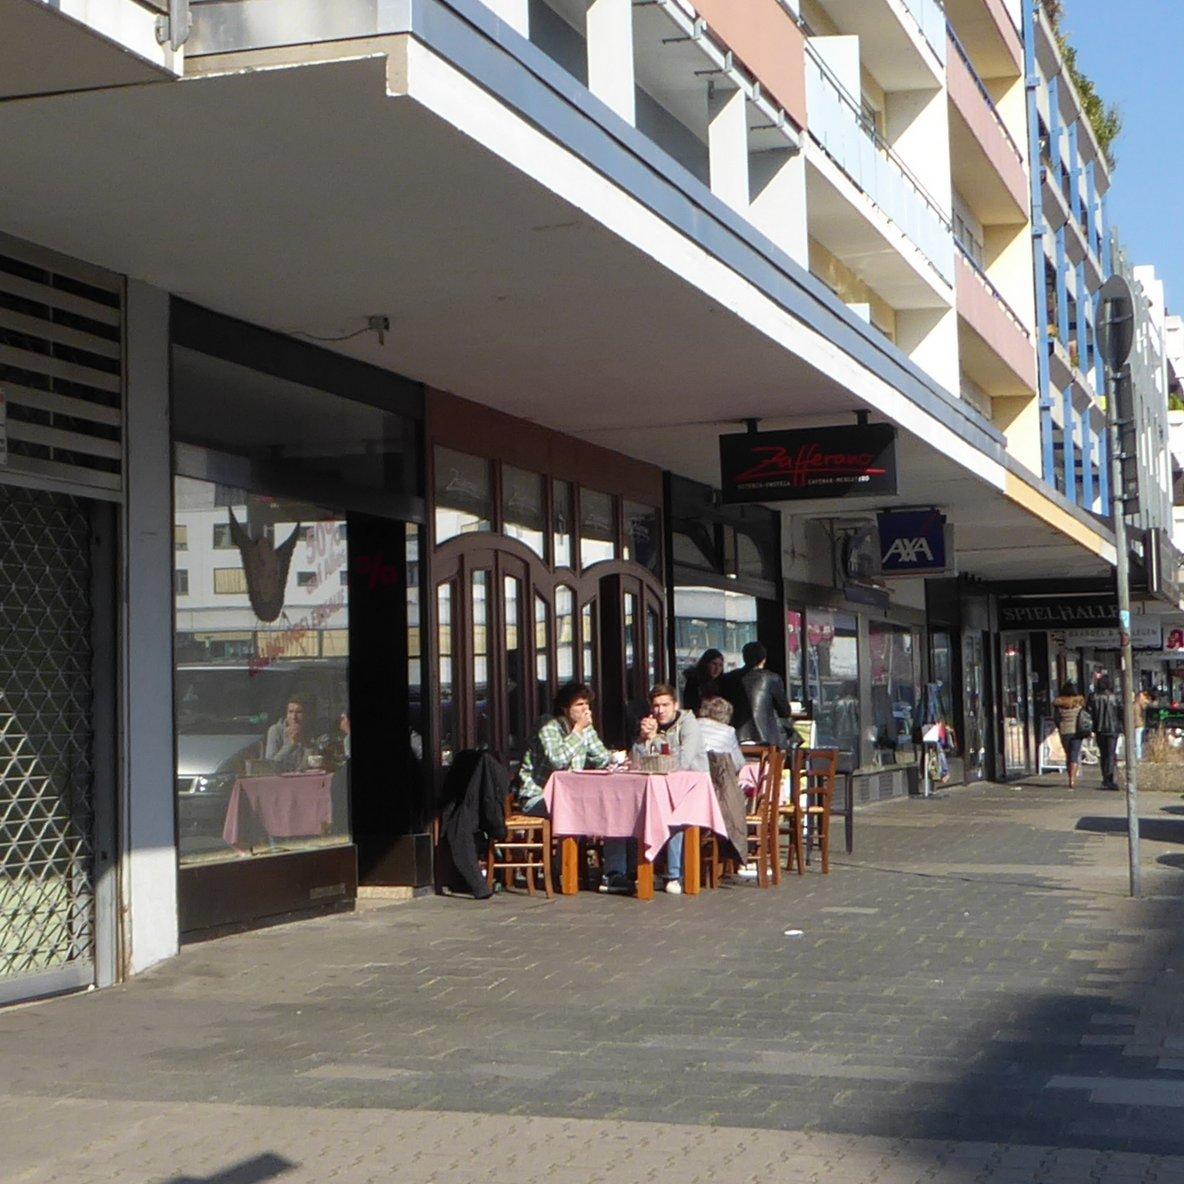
(305, 199)
(44, 52)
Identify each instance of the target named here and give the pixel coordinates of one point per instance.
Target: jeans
(1140, 736)
(616, 857)
(1107, 754)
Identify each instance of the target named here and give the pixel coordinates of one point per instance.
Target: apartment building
(486, 284)
(1071, 248)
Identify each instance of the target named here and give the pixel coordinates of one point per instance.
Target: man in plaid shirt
(566, 741)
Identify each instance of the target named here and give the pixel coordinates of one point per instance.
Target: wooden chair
(527, 847)
(808, 813)
(762, 818)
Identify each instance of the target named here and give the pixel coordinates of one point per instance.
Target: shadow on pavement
(249, 1171)
(1155, 830)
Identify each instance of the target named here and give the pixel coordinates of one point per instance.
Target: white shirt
(721, 738)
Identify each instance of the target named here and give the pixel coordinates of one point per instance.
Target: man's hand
(649, 729)
(582, 718)
(293, 732)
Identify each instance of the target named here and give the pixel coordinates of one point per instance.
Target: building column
(610, 55)
(727, 145)
(148, 851)
(1068, 444)
(777, 181)
(1087, 462)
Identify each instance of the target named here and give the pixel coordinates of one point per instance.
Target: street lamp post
(1116, 325)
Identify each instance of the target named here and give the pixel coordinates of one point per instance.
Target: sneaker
(616, 884)
(746, 873)
(674, 887)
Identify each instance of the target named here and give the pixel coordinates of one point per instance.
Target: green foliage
(1105, 120)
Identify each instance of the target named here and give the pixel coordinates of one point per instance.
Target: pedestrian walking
(1073, 724)
(1106, 715)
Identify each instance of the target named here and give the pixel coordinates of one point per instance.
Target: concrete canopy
(308, 197)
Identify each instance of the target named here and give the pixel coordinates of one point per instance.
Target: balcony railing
(1000, 299)
(931, 20)
(986, 94)
(838, 124)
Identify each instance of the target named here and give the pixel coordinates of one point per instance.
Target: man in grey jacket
(668, 729)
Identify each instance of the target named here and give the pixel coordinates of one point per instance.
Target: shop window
(522, 507)
(482, 707)
(643, 536)
(263, 694)
(712, 618)
(795, 639)
(542, 656)
(515, 670)
(230, 581)
(598, 528)
(832, 677)
(415, 672)
(181, 582)
(565, 634)
(893, 690)
(632, 690)
(561, 534)
(588, 642)
(444, 651)
(464, 494)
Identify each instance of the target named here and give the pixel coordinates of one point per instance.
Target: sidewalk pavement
(973, 998)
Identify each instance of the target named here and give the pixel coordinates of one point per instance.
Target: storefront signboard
(912, 542)
(1146, 634)
(829, 462)
(1059, 612)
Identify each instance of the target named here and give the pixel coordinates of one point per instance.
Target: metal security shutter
(61, 371)
(47, 919)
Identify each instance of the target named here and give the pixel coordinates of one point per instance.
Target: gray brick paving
(973, 999)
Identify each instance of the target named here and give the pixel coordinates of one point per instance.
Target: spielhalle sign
(799, 465)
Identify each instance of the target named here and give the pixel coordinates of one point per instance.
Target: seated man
(715, 724)
(287, 741)
(566, 741)
(667, 729)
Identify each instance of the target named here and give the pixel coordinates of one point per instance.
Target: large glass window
(894, 690)
(479, 639)
(712, 618)
(542, 656)
(515, 673)
(464, 494)
(643, 536)
(832, 677)
(444, 649)
(598, 529)
(262, 678)
(561, 535)
(795, 640)
(522, 507)
(565, 634)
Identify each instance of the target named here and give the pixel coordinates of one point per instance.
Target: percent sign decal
(376, 570)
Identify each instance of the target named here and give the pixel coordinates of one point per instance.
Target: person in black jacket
(758, 699)
(1106, 711)
(473, 811)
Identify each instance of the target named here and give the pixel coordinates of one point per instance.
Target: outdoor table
(648, 807)
(282, 806)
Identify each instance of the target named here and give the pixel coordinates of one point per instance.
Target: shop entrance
(1015, 675)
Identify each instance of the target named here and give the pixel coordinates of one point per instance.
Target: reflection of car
(222, 717)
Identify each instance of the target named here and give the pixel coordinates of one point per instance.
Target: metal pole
(1122, 576)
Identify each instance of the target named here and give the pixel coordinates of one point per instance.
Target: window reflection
(565, 634)
(643, 536)
(588, 641)
(832, 677)
(464, 494)
(480, 648)
(515, 671)
(262, 678)
(522, 507)
(598, 533)
(542, 652)
(893, 689)
(561, 535)
(448, 715)
(712, 618)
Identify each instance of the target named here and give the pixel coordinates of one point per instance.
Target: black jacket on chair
(759, 703)
(473, 811)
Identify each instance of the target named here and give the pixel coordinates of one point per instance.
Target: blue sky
(1133, 52)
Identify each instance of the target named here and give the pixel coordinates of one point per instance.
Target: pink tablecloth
(648, 807)
(280, 807)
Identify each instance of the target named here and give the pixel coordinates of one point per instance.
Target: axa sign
(912, 542)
